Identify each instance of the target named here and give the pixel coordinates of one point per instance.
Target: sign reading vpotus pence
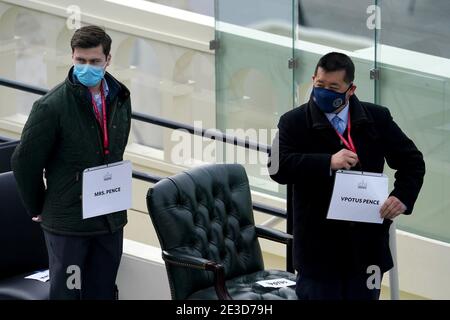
(358, 196)
(107, 189)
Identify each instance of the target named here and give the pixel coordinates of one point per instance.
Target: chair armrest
(187, 261)
(273, 234)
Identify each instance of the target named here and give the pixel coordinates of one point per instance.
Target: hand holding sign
(392, 208)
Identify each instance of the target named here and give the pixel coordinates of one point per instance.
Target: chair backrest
(6, 151)
(206, 212)
(21, 239)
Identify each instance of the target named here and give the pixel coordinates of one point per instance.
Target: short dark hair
(335, 61)
(90, 37)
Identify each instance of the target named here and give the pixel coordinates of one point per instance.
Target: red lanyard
(103, 124)
(349, 144)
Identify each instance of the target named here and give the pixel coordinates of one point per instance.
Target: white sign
(276, 283)
(42, 276)
(107, 189)
(358, 196)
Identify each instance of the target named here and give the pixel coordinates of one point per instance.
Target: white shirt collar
(105, 87)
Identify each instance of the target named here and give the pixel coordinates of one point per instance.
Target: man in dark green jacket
(63, 136)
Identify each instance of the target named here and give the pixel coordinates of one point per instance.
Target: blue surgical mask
(328, 100)
(88, 75)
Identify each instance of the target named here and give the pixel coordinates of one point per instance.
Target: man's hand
(37, 218)
(344, 159)
(392, 208)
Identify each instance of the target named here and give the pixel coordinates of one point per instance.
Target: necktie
(338, 124)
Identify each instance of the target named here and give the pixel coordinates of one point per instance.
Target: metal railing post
(289, 226)
(393, 273)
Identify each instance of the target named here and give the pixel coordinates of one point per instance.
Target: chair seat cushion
(18, 288)
(246, 288)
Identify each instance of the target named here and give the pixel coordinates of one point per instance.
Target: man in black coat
(335, 258)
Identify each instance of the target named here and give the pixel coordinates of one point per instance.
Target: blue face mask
(327, 100)
(88, 75)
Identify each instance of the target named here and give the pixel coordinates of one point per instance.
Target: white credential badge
(107, 189)
(358, 196)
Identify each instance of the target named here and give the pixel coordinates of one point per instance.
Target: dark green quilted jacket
(60, 139)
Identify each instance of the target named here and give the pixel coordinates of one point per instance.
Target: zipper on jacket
(114, 106)
(98, 127)
(99, 137)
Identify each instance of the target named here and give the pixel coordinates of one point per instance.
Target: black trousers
(340, 287)
(83, 267)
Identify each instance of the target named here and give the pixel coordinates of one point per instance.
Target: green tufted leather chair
(204, 221)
